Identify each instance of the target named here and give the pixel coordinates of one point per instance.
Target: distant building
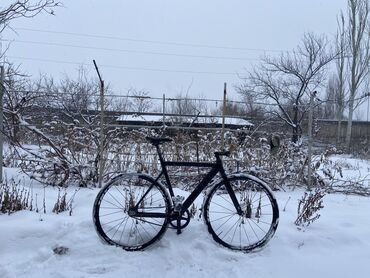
(181, 121)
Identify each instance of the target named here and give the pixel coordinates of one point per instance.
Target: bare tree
(341, 47)
(18, 97)
(79, 94)
(62, 123)
(252, 109)
(330, 107)
(286, 81)
(246, 108)
(140, 101)
(25, 8)
(358, 54)
(185, 105)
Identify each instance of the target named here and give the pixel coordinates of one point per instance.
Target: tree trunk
(339, 127)
(349, 121)
(295, 135)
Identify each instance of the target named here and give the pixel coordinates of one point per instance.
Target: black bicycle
(133, 210)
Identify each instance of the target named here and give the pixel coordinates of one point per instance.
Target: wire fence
(72, 132)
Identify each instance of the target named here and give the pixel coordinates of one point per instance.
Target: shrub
(14, 197)
(308, 208)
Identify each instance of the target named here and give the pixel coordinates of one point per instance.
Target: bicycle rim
(111, 212)
(258, 221)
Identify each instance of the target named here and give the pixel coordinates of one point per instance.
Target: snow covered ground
(336, 245)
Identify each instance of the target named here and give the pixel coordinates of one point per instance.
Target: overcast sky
(166, 46)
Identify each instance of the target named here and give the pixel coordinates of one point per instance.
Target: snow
(336, 245)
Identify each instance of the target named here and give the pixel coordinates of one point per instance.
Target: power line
(150, 41)
(123, 67)
(129, 51)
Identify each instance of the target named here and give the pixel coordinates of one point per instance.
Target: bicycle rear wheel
(116, 211)
(254, 226)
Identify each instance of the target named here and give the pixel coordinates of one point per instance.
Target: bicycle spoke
(219, 227)
(113, 204)
(118, 202)
(252, 229)
(246, 234)
(223, 207)
(228, 231)
(115, 225)
(146, 221)
(226, 200)
(232, 239)
(223, 217)
(130, 233)
(229, 213)
(118, 228)
(123, 231)
(111, 208)
(111, 221)
(103, 215)
(146, 230)
(120, 192)
(259, 226)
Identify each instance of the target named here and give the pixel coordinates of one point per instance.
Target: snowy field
(336, 245)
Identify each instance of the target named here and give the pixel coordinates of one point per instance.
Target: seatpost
(164, 171)
(218, 159)
(159, 155)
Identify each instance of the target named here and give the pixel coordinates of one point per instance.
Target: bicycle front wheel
(254, 225)
(131, 211)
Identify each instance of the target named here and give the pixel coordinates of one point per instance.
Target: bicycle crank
(184, 219)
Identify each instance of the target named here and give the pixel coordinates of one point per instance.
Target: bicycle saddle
(224, 153)
(158, 140)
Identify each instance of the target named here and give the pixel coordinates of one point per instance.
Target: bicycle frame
(215, 168)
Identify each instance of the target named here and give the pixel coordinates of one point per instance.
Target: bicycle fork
(231, 192)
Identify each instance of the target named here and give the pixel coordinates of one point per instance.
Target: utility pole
(223, 120)
(2, 89)
(101, 134)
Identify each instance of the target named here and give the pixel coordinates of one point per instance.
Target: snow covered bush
(62, 203)
(308, 208)
(14, 197)
(54, 137)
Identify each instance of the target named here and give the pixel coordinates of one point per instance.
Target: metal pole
(1, 121)
(367, 117)
(164, 110)
(309, 160)
(368, 106)
(101, 134)
(223, 120)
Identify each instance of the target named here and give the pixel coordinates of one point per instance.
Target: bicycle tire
(111, 211)
(260, 218)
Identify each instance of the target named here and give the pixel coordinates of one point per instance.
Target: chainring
(185, 220)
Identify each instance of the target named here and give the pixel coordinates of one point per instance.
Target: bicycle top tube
(156, 141)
